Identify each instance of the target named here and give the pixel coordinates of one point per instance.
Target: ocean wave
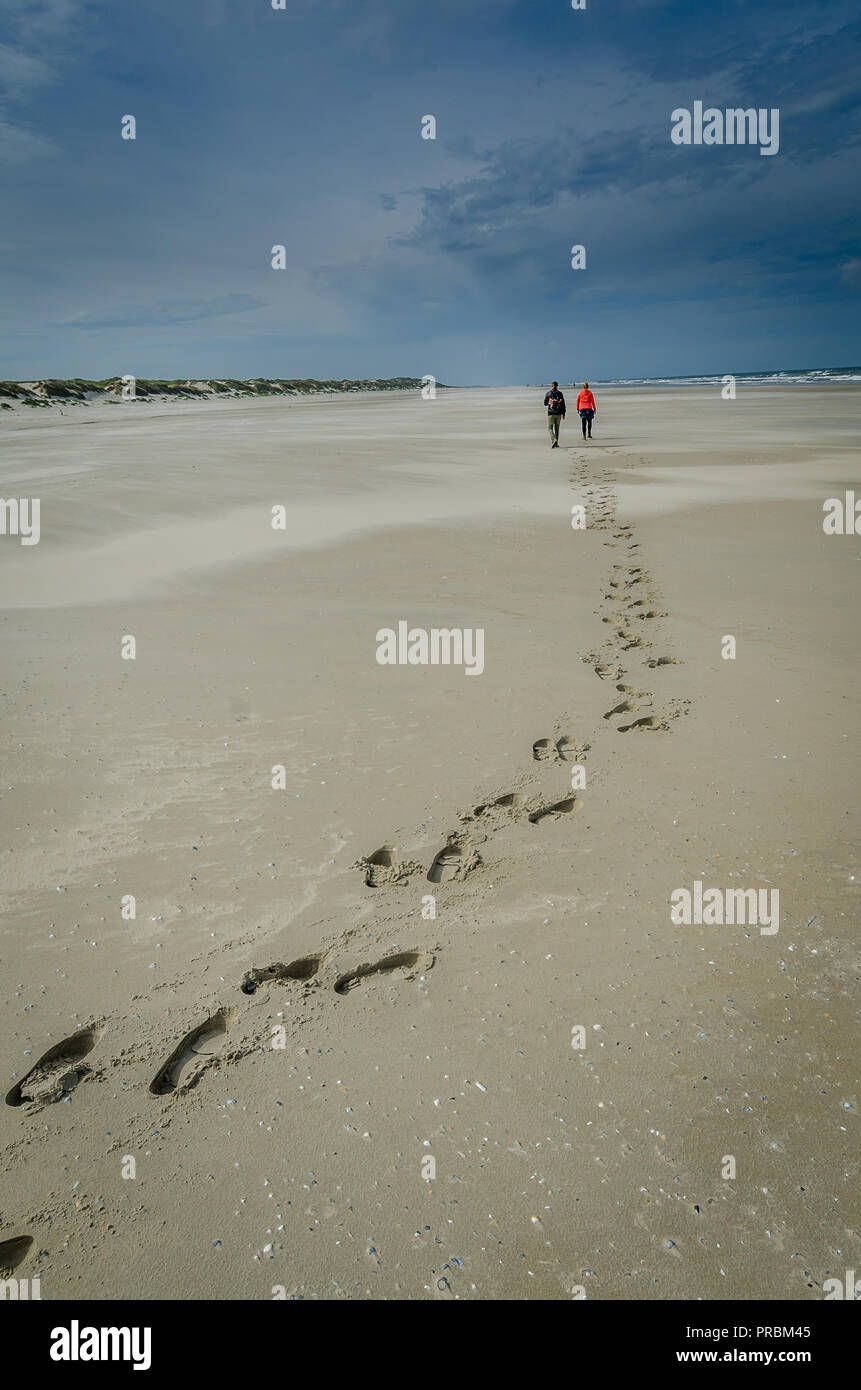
(839, 376)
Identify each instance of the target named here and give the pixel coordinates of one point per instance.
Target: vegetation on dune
(76, 390)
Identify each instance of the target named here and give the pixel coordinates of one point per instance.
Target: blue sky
(407, 256)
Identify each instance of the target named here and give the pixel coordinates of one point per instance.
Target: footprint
(570, 749)
(203, 1042)
(511, 801)
(631, 690)
(454, 861)
(409, 961)
(558, 808)
(609, 672)
(543, 748)
(385, 867)
(381, 866)
(13, 1253)
(624, 707)
(58, 1070)
(663, 661)
(649, 722)
(303, 969)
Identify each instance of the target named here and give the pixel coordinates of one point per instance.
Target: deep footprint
(57, 1072)
(543, 748)
(559, 808)
(570, 749)
(648, 723)
(454, 861)
(381, 866)
(13, 1253)
(511, 801)
(303, 969)
(204, 1041)
(409, 961)
(626, 707)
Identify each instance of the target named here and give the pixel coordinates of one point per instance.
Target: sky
(405, 256)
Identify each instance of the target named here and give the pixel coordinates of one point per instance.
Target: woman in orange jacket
(586, 408)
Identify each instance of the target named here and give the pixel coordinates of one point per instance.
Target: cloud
(44, 32)
(524, 177)
(44, 19)
(850, 273)
(558, 133)
(166, 312)
(805, 67)
(18, 145)
(20, 71)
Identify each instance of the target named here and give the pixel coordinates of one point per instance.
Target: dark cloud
(258, 127)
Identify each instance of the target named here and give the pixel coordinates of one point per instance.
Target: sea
(813, 376)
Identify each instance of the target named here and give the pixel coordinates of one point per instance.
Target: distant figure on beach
(555, 402)
(586, 408)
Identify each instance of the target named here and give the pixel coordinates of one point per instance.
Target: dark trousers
(587, 416)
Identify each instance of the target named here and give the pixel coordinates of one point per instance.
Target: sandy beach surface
(435, 1128)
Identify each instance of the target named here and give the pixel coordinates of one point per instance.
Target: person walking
(586, 409)
(555, 402)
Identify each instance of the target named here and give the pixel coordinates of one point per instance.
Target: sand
(200, 1141)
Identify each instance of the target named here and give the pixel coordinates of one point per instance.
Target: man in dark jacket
(555, 402)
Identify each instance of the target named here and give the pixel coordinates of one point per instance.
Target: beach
(579, 1067)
